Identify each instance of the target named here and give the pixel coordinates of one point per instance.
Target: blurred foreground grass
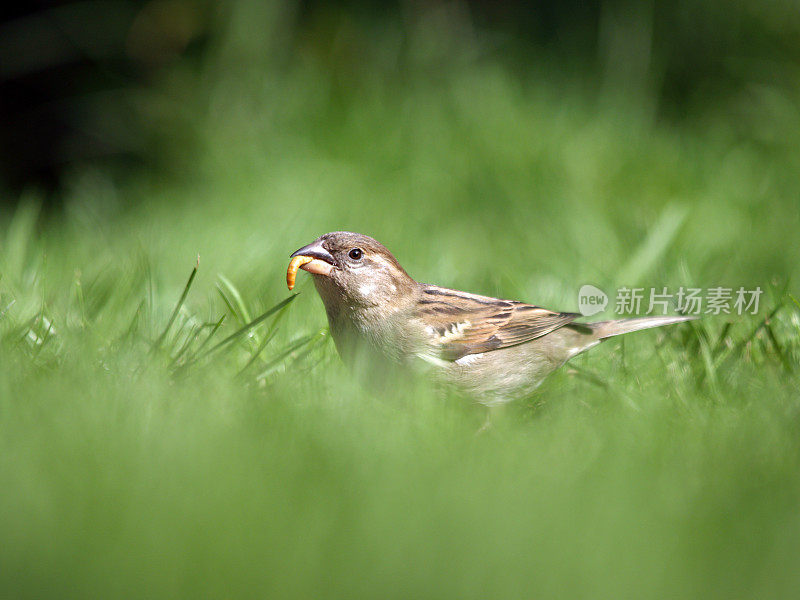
(664, 464)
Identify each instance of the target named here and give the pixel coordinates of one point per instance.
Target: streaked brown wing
(461, 323)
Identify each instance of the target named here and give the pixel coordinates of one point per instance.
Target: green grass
(158, 437)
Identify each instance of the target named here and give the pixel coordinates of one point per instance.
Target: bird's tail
(607, 329)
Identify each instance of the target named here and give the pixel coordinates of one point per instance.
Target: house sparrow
(494, 350)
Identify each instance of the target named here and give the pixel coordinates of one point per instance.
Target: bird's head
(351, 268)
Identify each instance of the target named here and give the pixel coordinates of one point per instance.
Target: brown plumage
(491, 323)
(495, 350)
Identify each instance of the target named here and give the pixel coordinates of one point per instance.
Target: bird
(491, 349)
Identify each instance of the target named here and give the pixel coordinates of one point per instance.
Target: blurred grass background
(518, 152)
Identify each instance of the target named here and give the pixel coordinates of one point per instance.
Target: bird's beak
(313, 258)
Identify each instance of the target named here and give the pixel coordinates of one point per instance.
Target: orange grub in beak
(307, 263)
(291, 272)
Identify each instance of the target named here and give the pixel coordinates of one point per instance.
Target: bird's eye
(355, 253)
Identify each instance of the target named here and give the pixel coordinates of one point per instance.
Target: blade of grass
(323, 339)
(19, 237)
(194, 332)
(671, 368)
(7, 308)
(134, 324)
(740, 346)
(46, 336)
(237, 298)
(710, 367)
(244, 329)
(293, 346)
(270, 334)
(174, 315)
(778, 348)
(198, 353)
(216, 327)
(192, 338)
(80, 301)
(655, 244)
(150, 314)
(311, 347)
(229, 305)
(704, 346)
(257, 353)
(795, 300)
(720, 345)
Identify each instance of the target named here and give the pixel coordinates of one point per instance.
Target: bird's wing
(459, 323)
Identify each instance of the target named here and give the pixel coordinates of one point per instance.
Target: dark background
(83, 83)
